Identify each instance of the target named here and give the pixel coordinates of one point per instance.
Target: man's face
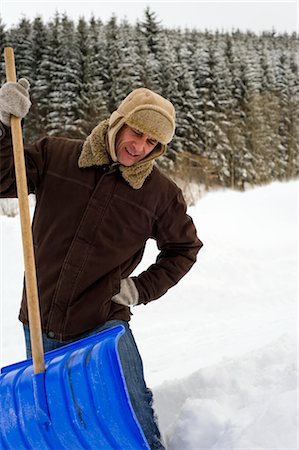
(132, 146)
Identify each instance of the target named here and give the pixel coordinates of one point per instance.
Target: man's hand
(128, 295)
(14, 99)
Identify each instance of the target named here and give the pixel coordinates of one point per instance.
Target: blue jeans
(141, 397)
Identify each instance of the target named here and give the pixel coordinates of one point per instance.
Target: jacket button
(51, 334)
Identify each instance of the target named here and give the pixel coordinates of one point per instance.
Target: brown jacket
(89, 231)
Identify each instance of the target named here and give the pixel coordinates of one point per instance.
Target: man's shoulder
(61, 158)
(159, 177)
(61, 143)
(60, 151)
(160, 189)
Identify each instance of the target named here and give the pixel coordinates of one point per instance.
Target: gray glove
(14, 99)
(128, 295)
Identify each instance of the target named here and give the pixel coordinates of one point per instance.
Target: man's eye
(152, 142)
(137, 132)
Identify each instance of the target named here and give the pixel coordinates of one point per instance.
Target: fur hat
(147, 112)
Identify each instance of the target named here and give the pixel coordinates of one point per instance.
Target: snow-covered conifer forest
(236, 94)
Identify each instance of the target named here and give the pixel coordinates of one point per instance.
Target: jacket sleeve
(178, 244)
(35, 160)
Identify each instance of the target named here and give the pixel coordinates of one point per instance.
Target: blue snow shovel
(74, 397)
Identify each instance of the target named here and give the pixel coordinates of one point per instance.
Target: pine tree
(3, 44)
(81, 80)
(97, 63)
(287, 83)
(202, 81)
(128, 73)
(148, 64)
(150, 28)
(70, 83)
(269, 100)
(52, 73)
(221, 96)
(20, 39)
(150, 35)
(213, 136)
(168, 88)
(35, 122)
(253, 111)
(112, 67)
(236, 131)
(187, 106)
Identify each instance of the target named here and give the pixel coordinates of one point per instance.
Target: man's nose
(141, 142)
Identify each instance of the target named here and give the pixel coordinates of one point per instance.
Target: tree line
(236, 93)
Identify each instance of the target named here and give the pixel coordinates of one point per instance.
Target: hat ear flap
(114, 119)
(116, 122)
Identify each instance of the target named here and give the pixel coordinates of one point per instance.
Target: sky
(254, 15)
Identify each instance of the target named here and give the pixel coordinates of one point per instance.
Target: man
(97, 203)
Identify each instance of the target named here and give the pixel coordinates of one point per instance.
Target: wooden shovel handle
(29, 261)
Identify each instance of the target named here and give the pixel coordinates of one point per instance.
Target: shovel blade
(85, 402)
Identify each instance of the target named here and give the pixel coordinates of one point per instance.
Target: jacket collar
(95, 153)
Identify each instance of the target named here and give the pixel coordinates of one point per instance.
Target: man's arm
(35, 159)
(178, 243)
(14, 99)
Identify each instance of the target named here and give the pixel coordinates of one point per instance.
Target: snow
(246, 402)
(220, 349)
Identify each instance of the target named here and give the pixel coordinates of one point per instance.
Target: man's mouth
(131, 153)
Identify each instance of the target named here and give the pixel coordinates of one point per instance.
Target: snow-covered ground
(220, 349)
